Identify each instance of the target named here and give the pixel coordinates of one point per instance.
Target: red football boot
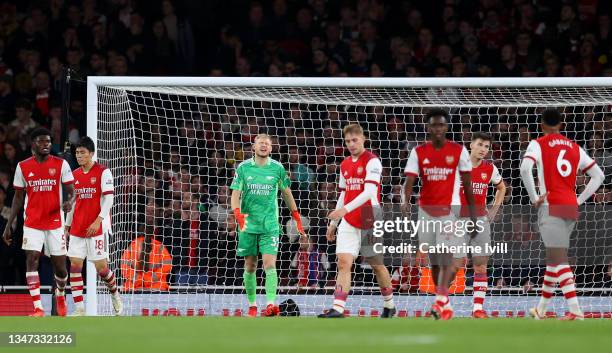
(252, 311)
(447, 313)
(572, 317)
(436, 311)
(480, 314)
(272, 310)
(38, 312)
(60, 305)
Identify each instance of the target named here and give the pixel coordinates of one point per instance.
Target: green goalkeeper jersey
(259, 186)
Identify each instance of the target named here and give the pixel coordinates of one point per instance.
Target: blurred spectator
(300, 173)
(508, 67)
(597, 151)
(23, 122)
(220, 208)
(11, 156)
(7, 99)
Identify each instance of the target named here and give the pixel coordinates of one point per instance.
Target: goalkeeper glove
(240, 218)
(298, 221)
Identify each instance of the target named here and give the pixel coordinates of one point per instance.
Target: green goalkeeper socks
(271, 284)
(250, 285)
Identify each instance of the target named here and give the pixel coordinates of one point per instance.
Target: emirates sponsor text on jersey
(437, 173)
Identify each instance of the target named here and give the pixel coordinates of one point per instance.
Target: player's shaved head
(41, 142)
(551, 117)
(41, 131)
(437, 125)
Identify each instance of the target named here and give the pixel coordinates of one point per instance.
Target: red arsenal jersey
(89, 188)
(41, 182)
(483, 175)
(439, 172)
(353, 176)
(558, 160)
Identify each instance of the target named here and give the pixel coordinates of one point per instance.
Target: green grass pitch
(307, 334)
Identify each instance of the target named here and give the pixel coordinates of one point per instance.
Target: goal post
(173, 131)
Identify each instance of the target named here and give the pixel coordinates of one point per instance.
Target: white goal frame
(93, 82)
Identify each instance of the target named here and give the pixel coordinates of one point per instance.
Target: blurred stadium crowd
(185, 189)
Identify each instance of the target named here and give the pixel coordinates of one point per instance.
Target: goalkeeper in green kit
(254, 201)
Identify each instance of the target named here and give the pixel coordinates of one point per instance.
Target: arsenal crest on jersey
(359, 170)
(450, 159)
(93, 180)
(484, 176)
(52, 171)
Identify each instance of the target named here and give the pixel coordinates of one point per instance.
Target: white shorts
(555, 231)
(53, 241)
(435, 232)
(349, 241)
(482, 240)
(94, 248)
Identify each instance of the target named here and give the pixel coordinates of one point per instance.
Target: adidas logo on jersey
(249, 177)
(76, 182)
(426, 161)
(30, 175)
(269, 177)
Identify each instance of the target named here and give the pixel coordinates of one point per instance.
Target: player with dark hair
(39, 180)
(483, 174)
(442, 166)
(558, 160)
(88, 225)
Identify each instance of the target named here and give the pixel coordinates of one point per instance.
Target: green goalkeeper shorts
(252, 244)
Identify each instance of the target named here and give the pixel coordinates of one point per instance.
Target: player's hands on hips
(540, 201)
(66, 206)
(93, 228)
(7, 234)
(337, 214)
(474, 231)
(331, 233)
(240, 218)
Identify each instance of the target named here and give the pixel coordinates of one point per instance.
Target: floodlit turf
(271, 335)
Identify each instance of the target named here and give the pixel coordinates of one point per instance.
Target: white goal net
(173, 149)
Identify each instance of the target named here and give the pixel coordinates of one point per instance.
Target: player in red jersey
(558, 161)
(484, 174)
(360, 175)
(88, 225)
(38, 179)
(439, 163)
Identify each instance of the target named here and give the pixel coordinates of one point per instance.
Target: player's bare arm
(500, 193)
(15, 209)
(408, 186)
(333, 224)
(67, 204)
(336, 215)
(466, 181)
